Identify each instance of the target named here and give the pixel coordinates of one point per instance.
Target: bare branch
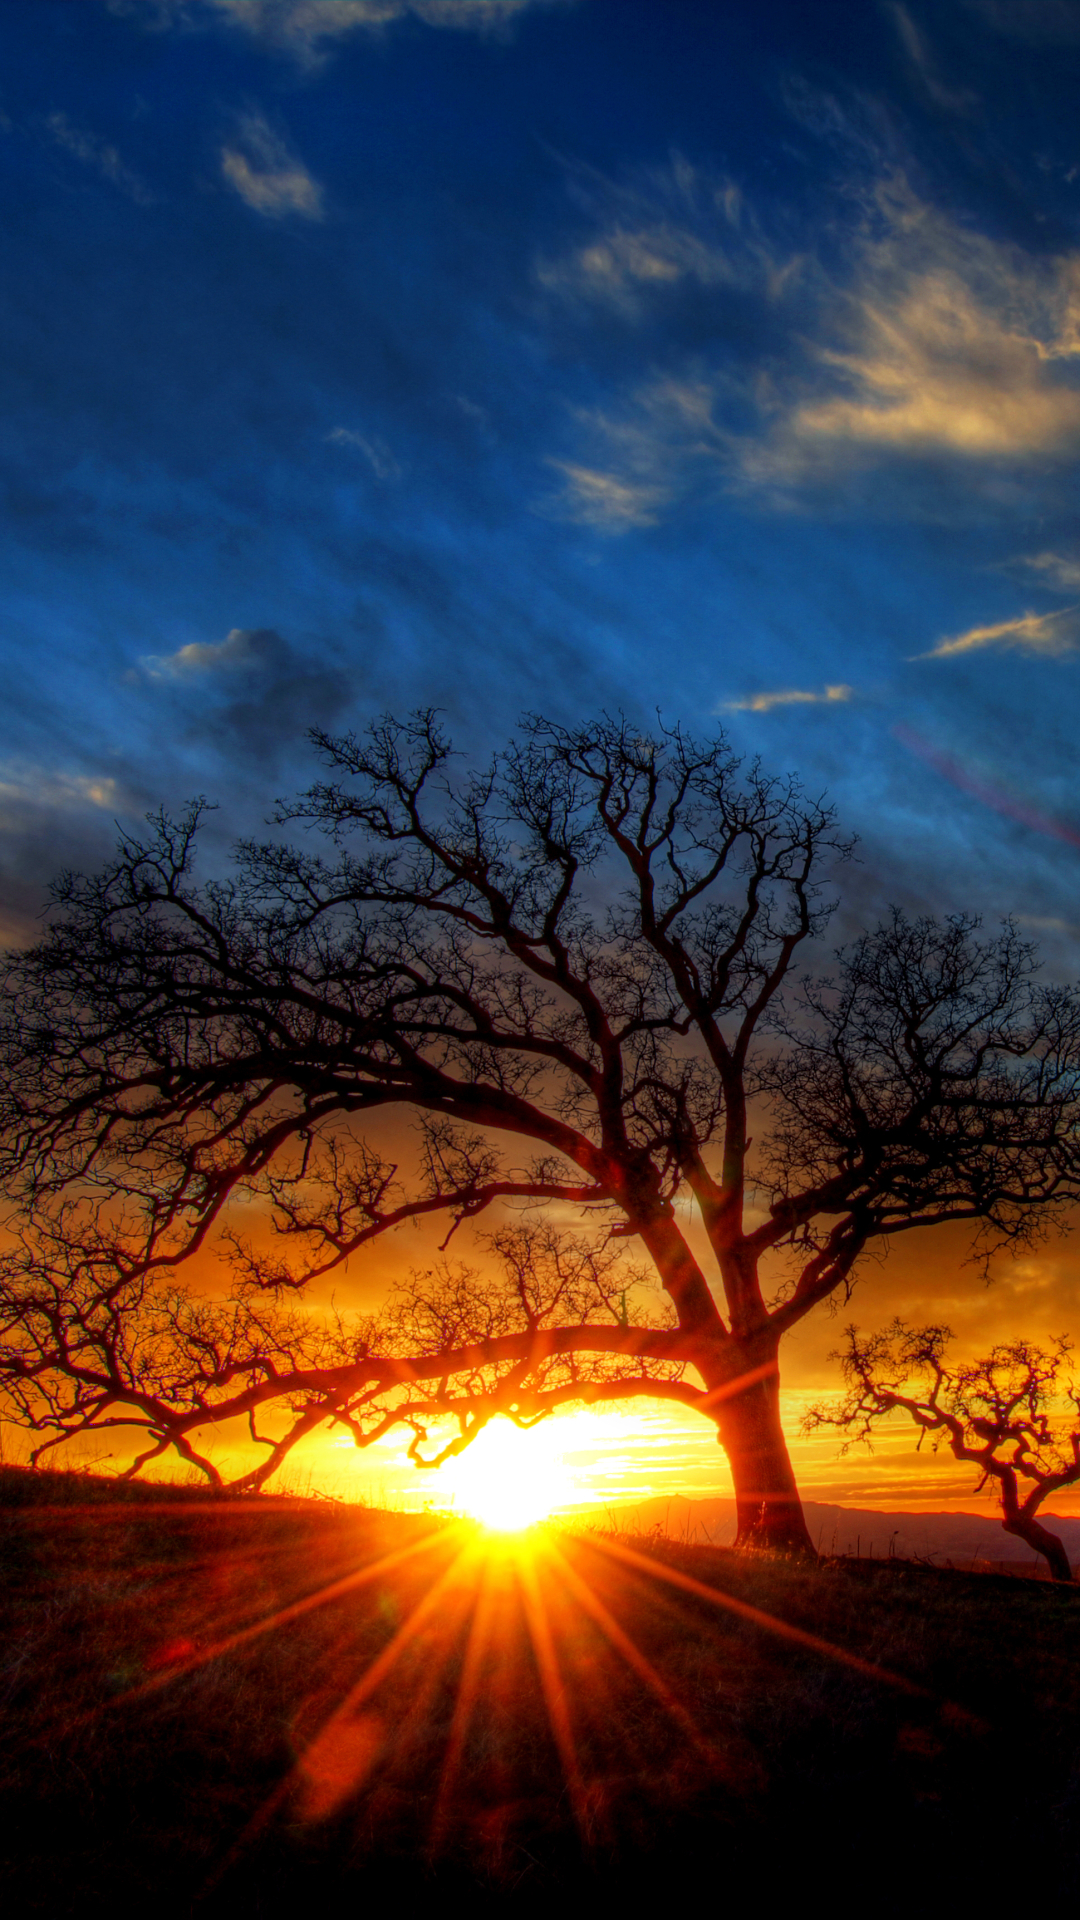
(1014, 1415)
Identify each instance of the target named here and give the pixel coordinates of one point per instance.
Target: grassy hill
(253, 1706)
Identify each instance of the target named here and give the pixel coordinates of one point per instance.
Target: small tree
(575, 970)
(1003, 1413)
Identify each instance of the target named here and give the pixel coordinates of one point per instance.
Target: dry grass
(160, 1747)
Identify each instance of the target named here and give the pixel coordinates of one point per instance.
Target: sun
(510, 1477)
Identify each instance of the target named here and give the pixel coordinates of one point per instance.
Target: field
(233, 1706)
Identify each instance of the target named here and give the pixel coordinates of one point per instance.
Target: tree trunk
(1042, 1541)
(769, 1510)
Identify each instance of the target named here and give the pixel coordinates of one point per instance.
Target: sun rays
(492, 1642)
(462, 1681)
(347, 1684)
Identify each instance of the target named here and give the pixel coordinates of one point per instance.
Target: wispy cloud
(935, 342)
(37, 789)
(917, 47)
(377, 454)
(642, 459)
(1061, 569)
(1030, 633)
(244, 649)
(609, 501)
(789, 697)
(938, 370)
(267, 174)
(305, 28)
(91, 151)
(1047, 923)
(944, 342)
(660, 230)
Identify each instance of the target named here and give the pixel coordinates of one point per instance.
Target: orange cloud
(788, 697)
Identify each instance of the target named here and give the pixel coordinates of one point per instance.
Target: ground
(252, 1703)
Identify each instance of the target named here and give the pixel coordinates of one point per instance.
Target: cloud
(24, 789)
(251, 693)
(791, 697)
(917, 47)
(303, 28)
(1047, 923)
(957, 344)
(660, 231)
(1030, 633)
(642, 459)
(244, 649)
(627, 264)
(938, 370)
(944, 343)
(929, 342)
(50, 822)
(1061, 568)
(607, 500)
(91, 151)
(267, 175)
(375, 452)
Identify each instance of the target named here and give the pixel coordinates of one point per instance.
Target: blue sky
(551, 354)
(555, 354)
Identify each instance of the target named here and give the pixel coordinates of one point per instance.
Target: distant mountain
(962, 1538)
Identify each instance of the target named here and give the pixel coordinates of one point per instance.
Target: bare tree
(1015, 1415)
(575, 970)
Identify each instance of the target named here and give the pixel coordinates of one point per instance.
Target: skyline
(562, 355)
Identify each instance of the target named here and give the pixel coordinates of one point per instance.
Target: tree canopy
(577, 971)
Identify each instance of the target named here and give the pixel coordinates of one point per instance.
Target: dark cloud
(253, 693)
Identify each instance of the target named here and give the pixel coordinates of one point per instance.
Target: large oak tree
(578, 970)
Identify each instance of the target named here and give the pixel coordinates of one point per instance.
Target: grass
(163, 1745)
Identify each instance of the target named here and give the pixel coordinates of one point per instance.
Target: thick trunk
(742, 1376)
(768, 1506)
(1042, 1541)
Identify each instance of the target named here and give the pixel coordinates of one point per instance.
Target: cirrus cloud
(376, 452)
(304, 28)
(1061, 569)
(788, 697)
(267, 175)
(1043, 633)
(930, 341)
(100, 155)
(610, 501)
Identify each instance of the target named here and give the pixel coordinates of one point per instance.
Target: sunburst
(494, 1626)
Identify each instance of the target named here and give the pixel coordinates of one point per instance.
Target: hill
(958, 1539)
(262, 1704)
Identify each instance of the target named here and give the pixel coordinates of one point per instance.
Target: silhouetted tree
(1003, 1413)
(575, 970)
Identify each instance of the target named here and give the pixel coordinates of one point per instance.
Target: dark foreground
(189, 1727)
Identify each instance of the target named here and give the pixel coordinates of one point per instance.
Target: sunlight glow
(510, 1477)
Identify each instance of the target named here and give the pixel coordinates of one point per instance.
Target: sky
(554, 355)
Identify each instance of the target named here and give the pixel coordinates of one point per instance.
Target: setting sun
(511, 1477)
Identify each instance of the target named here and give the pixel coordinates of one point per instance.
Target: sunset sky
(493, 355)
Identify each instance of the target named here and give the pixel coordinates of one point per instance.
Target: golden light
(511, 1477)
